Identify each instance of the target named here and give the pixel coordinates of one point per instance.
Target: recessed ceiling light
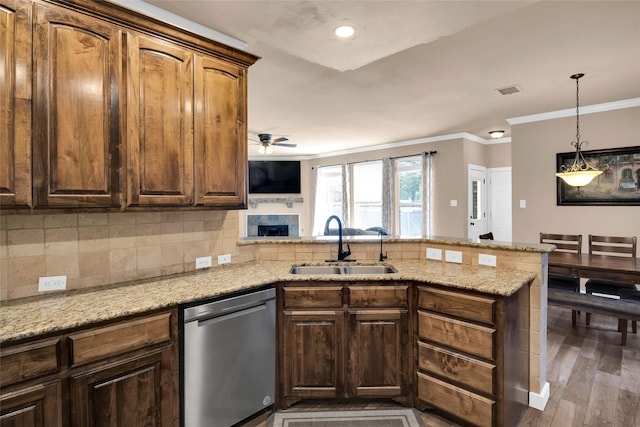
(495, 134)
(344, 31)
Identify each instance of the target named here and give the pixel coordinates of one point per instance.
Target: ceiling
(419, 69)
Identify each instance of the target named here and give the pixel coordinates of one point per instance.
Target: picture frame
(618, 185)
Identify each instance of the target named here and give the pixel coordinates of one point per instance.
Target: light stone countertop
(33, 316)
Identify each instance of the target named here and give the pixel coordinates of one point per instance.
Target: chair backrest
(630, 294)
(563, 242)
(613, 246)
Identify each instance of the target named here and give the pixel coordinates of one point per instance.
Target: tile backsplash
(95, 249)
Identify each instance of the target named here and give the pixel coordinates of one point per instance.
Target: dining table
(588, 266)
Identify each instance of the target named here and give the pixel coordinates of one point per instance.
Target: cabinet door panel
(378, 351)
(160, 138)
(313, 360)
(15, 105)
(76, 124)
(220, 133)
(36, 406)
(125, 394)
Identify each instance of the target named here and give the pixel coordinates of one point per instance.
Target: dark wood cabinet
(77, 95)
(15, 104)
(473, 349)
(344, 341)
(121, 373)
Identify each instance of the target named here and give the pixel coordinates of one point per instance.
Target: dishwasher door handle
(217, 319)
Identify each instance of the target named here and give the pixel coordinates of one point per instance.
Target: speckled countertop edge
(48, 314)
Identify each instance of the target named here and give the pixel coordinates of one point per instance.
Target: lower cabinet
(473, 355)
(344, 341)
(121, 373)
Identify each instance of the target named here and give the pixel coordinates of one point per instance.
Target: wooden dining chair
(571, 243)
(610, 246)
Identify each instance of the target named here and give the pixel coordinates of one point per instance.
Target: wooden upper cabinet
(159, 123)
(15, 104)
(76, 126)
(220, 94)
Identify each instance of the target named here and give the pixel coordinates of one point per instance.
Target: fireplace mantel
(289, 201)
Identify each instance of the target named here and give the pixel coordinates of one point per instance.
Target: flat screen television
(275, 176)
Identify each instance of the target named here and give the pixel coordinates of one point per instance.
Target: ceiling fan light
(261, 149)
(344, 31)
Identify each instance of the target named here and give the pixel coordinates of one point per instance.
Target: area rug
(404, 417)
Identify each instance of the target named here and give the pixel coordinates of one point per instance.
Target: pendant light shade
(580, 172)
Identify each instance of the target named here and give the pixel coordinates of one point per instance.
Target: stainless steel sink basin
(368, 269)
(340, 269)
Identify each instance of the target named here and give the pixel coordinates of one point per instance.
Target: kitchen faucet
(382, 257)
(341, 254)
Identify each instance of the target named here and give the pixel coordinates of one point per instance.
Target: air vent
(509, 90)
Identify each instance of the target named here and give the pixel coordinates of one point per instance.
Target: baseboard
(539, 401)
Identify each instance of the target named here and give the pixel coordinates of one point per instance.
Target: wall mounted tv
(275, 176)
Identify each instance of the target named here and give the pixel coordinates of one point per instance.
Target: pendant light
(581, 172)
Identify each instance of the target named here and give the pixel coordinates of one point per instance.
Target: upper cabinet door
(15, 104)
(76, 126)
(220, 94)
(159, 123)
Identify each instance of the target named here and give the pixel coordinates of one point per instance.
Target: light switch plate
(224, 259)
(484, 259)
(433, 253)
(52, 283)
(203, 262)
(454, 203)
(453, 256)
(523, 204)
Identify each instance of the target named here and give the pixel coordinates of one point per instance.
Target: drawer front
(312, 297)
(27, 361)
(472, 408)
(378, 296)
(468, 337)
(475, 374)
(468, 307)
(100, 343)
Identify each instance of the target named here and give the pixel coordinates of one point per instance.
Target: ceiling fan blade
(280, 144)
(281, 139)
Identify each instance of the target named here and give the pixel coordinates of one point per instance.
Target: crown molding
(596, 108)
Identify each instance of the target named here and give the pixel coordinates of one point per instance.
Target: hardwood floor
(595, 382)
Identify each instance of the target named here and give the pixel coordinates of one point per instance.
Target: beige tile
(193, 250)
(149, 272)
(149, 257)
(122, 236)
(172, 232)
(122, 260)
(93, 238)
(22, 291)
(172, 254)
(25, 242)
(15, 222)
(90, 219)
(121, 218)
(148, 218)
(26, 270)
(92, 264)
(60, 241)
(167, 270)
(171, 216)
(93, 281)
(149, 234)
(66, 264)
(193, 231)
(61, 220)
(194, 216)
(123, 276)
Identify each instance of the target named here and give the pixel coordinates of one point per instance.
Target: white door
(500, 203)
(477, 201)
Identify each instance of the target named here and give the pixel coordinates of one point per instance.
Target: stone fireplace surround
(290, 220)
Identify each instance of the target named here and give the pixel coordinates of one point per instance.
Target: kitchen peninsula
(518, 271)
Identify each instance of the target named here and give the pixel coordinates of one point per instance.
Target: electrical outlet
(203, 262)
(52, 283)
(484, 259)
(433, 253)
(453, 256)
(224, 259)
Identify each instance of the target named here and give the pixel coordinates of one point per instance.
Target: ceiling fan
(267, 141)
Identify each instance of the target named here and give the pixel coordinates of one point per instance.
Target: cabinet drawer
(468, 307)
(120, 338)
(313, 297)
(377, 296)
(468, 337)
(473, 373)
(28, 361)
(461, 403)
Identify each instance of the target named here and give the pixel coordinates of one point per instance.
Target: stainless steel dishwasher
(228, 359)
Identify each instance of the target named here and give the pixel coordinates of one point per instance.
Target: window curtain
(312, 196)
(346, 191)
(387, 194)
(427, 193)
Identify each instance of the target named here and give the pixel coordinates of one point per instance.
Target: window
(328, 196)
(367, 195)
(408, 196)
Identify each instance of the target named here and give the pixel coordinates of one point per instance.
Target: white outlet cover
(489, 260)
(434, 253)
(224, 259)
(203, 262)
(52, 283)
(453, 256)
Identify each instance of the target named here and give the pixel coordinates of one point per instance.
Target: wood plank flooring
(595, 382)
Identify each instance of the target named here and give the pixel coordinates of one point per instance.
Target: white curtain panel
(427, 193)
(346, 191)
(387, 194)
(312, 197)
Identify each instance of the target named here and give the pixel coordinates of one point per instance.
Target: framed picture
(619, 184)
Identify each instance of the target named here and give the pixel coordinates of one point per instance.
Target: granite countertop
(33, 316)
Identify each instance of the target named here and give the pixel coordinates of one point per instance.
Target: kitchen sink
(339, 269)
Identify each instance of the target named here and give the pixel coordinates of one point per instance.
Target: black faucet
(341, 254)
(382, 257)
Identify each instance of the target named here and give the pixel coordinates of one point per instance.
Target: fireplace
(273, 230)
